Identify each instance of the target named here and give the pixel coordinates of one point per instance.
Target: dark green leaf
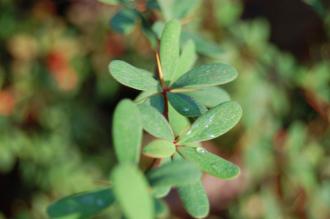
(155, 123)
(161, 208)
(210, 96)
(170, 48)
(186, 105)
(82, 205)
(159, 149)
(213, 123)
(124, 21)
(127, 131)
(175, 173)
(194, 199)
(131, 76)
(207, 76)
(132, 192)
(210, 163)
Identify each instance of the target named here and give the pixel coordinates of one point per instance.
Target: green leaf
(210, 163)
(170, 48)
(157, 102)
(175, 173)
(203, 45)
(177, 9)
(210, 96)
(194, 199)
(213, 123)
(179, 123)
(155, 123)
(124, 21)
(127, 131)
(186, 105)
(187, 59)
(161, 191)
(131, 76)
(131, 190)
(82, 205)
(207, 76)
(161, 208)
(159, 149)
(111, 2)
(144, 95)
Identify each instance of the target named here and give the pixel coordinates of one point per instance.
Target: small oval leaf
(82, 205)
(131, 190)
(159, 149)
(207, 76)
(178, 122)
(213, 123)
(210, 163)
(210, 96)
(186, 105)
(194, 199)
(131, 76)
(170, 48)
(155, 123)
(127, 121)
(176, 173)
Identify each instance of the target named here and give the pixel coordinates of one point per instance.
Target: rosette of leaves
(176, 92)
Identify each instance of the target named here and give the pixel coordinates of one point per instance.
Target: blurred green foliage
(57, 98)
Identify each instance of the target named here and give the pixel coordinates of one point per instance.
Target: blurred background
(57, 99)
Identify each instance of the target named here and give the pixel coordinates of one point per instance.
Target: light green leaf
(177, 9)
(179, 123)
(207, 76)
(210, 96)
(131, 76)
(144, 95)
(159, 149)
(161, 191)
(175, 173)
(213, 123)
(82, 205)
(124, 21)
(186, 105)
(169, 48)
(131, 190)
(194, 199)
(127, 131)
(203, 45)
(210, 163)
(186, 61)
(155, 123)
(111, 2)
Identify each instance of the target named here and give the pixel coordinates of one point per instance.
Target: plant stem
(165, 89)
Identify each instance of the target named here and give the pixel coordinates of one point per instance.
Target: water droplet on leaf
(201, 150)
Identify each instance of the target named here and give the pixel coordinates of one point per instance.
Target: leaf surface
(131, 190)
(175, 173)
(124, 21)
(187, 59)
(82, 205)
(159, 149)
(127, 131)
(210, 96)
(194, 199)
(186, 105)
(170, 48)
(213, 123)
(131, 76)
(210, 163)
(206, 76)
(155, 123)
